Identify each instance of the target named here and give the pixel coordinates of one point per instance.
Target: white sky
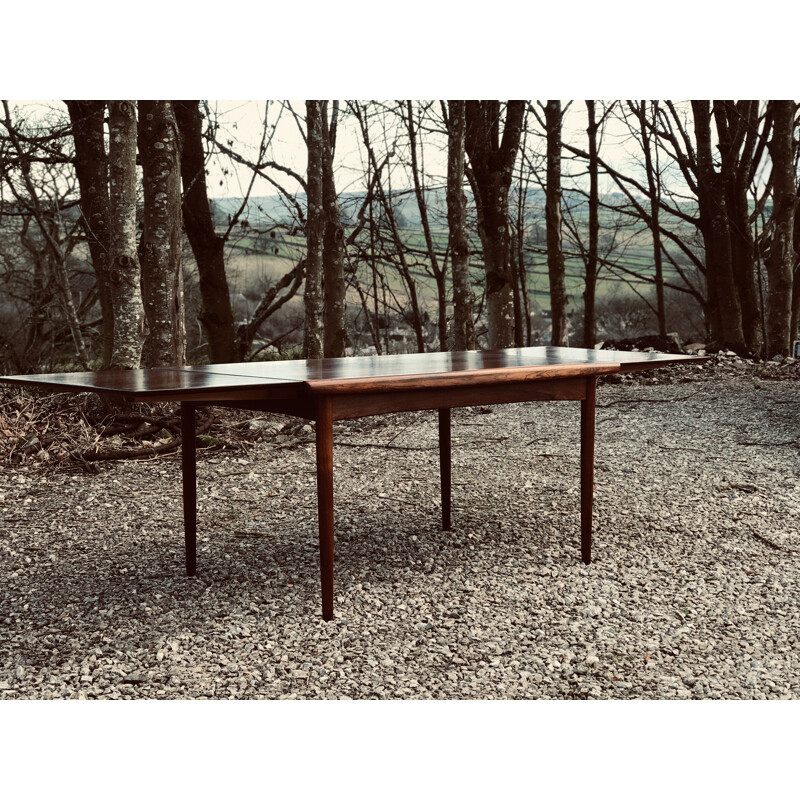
(244, 122)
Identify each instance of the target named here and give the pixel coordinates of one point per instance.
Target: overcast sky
(243, 123)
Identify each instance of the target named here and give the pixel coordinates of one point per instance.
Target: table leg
(189, 469)
(587, 469)
(325, 502)
(445, 464)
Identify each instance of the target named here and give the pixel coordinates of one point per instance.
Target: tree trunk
(91, 169)
(590, 283)
(523, 337)
(373, 263)
(519, 319)
(216, 315)
(124, 274)
(555, 253)
(333, 282)
(726, 316)
(492, 162)
(780, 261)
(439, 273)
(313, 345)
(160, 247)
(463, 334)
(737, 129)
(796, 277)
(654, 191)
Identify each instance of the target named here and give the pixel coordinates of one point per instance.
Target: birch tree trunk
(160, 247)
(780, 261)
(91, 169)
(313, 344)
(124, 274)
(492, 160)
(216, 315)
(555, 253)
(463, 298)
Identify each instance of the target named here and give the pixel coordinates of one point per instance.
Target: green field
(253, 261)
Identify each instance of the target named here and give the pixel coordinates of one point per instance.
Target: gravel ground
(693, 592)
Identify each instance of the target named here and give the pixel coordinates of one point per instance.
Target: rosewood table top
(287, 379)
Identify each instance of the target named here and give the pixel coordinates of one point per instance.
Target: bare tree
(438, 269)
(214, 280)
(714, 225)
(780, 261)
(741, 145)
(555, 253)
(208, 247)
(160, 245)
(91, 169)
(795, 329)
(492, 157)
(654, 186)
(124, 273)
(398, 251)
(313, 342)
(463, 298)
(592, 265)
(334, 286)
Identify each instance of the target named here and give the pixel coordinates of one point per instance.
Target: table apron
(364, 405)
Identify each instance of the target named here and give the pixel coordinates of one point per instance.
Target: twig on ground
(775, 545)
(791, 442)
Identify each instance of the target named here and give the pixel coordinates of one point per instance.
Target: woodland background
(448, 225)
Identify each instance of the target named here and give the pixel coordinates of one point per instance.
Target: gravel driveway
(693, 592)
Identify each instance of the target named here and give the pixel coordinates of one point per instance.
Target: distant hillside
(269, 209)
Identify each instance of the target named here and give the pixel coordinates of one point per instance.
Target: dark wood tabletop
(155, 384)
(287, 379)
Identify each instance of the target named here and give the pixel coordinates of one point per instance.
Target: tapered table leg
(189, 469)
(587, 469)
(325, 502)
(445, 464)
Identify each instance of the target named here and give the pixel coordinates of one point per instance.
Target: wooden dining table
(327, 390)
